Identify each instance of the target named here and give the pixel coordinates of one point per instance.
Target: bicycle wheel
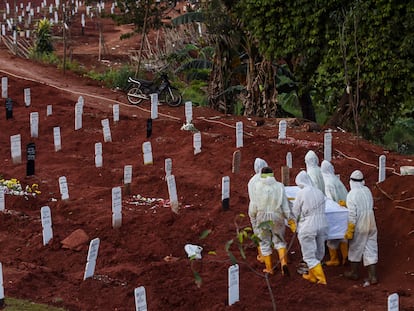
(135, 95)
(171, 96)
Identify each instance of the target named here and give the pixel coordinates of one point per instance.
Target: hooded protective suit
(314, 171)
(270, 205)
(361, 216)
(309, 212)
(258, 165)
(334, 188)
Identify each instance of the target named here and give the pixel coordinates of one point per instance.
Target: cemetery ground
(148, 249)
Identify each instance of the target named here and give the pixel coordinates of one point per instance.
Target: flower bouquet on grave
(13, 187)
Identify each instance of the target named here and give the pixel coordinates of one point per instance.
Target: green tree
(43, 43)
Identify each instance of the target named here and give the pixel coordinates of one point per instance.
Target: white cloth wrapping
(336, 215)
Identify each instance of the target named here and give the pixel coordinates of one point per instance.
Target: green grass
(12, 304)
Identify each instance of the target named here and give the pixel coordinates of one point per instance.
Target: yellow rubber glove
(342, 203)
(292, 225)
(349, 234)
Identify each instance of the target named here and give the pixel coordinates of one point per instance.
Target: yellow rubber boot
(268, 264)
(310, 276)
(334, 259)
(259, 256)
(319, 274)
(343, 246)
(283, 261)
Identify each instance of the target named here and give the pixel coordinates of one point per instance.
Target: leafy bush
(113, 78)
(400, 137)
(43, 43)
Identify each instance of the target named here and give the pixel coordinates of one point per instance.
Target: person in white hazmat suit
(314, 171)
(336, 191)
(258, 165)
(362, 229)
(312, 226)
(269, 210)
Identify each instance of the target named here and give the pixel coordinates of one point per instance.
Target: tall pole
(144, 30)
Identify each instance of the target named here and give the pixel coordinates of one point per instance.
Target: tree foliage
(43, 43)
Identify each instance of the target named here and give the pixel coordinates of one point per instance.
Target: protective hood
(327, 168)
(302, 180)
(356, 180)
(311, 159)
(259, 164)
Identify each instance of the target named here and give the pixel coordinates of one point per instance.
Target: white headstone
(327, 146)
(83, 20)
(46, 217)
(56, 17)
(116, 207)
(27, 97)
(4, 86)
(1, 282)
(127, 174)
(115, 111)
(239, 134)
(234, 284)
(188, 112)
(172, 192)
(106, 130)
(57, 138)
(16, 148)
(225, 188)
(63, 186)
(98, 155)
(197, 142)
(78, 116)
(140, 299)
(381, 172)
(289, 163)
(282, 129)
(34, 124)
(3, 29)
(154, 106)
(393, 303)
(49, 110)
(147, 152)
(81, 102)
(168, 166)
(91, 259)
(2, 199)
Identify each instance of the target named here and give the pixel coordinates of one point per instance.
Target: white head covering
(259, 164)
(327, 168)
(302, 180)
(311, 159)
(356, 179)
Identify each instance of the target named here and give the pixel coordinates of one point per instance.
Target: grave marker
(115, 111)
(172, 192)
(98, 155)
(197, 142)
(140, 299)
(2, 199)
(127, 178)
(4, 87)
(381, 171)
(149, 127)
(9, 108)
(235, 169)
(393, 303)
(57, 138)
(46, 217)
(282, 129)
(327, 146)
(225, 193)
(188, 112)
(63, 186)
(147, 152)
(91, 259)
(27, 97)
(1, 287)
(154, 105)
(49, 110)
(78, 116)
(233, 284)
(168, 167)
(116, 207)
(31, 156)
(289, 163)
(34, 124)
(239, 134)
(16, 148)
(81, 102)
(106, 130)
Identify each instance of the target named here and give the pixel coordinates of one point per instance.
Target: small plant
(43, 44)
